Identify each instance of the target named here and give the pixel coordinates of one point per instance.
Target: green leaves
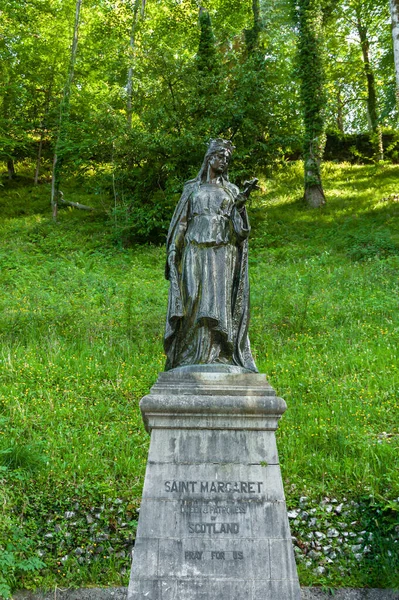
(206, 56)
(16, 557)
(229, 71)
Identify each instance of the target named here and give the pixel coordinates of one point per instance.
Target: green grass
(325, 327)
(81, 327)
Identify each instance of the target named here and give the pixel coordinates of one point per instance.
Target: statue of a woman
(207, 266)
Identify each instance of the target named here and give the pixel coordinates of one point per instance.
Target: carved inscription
(208, 511)
(188, 555)
(209, 507)
(212, 528)
(215, 555)
(215, 487)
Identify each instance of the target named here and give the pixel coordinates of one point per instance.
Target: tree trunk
(311, 71)
(372, 111)
(6, 116)
(129, 86)
(64, 116)
(340, 111)
(394, 4)
(314, 194)
(10, 168)
(371, 91)
(55, 188)
(206, 53)
(73, 204)
(252, 35)
(208, 78)
(39, 155)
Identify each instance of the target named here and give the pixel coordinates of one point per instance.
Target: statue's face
(219, 161)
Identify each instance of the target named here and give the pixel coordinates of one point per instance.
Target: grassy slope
(81, 326)
(325, 321)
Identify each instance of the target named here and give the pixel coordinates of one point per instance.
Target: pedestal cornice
(212, 400)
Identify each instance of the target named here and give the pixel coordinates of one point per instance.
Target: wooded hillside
(129, 92)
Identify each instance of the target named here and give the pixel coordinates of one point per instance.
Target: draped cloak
(233, 329)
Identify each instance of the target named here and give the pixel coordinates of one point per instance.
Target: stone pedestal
(213, 522)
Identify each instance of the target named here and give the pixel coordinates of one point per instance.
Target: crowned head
(220, 145)
(217, 148)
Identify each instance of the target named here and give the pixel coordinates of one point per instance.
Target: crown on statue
(215, 145)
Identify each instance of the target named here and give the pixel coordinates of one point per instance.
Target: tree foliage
(151, 87)
(348, 75)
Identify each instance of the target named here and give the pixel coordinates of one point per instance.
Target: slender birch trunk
(64, 116)
(340, 111)
(39, 156)
(394, 5)
(132, 44)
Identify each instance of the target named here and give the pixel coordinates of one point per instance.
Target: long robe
(208, 308)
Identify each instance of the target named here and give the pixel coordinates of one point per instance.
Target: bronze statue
(207, 266)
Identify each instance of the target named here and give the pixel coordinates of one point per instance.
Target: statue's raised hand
(249, 186)
(244, 195)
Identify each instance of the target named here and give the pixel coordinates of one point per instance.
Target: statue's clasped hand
(249, 186)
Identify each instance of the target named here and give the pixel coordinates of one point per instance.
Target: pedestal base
(213, 522)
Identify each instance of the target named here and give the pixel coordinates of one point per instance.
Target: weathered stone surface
(167, 590)
(223, 446)
(262, 519)
(213, 521)
(275, 589)
(213, 481)
(119, 593)
(182, 399)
